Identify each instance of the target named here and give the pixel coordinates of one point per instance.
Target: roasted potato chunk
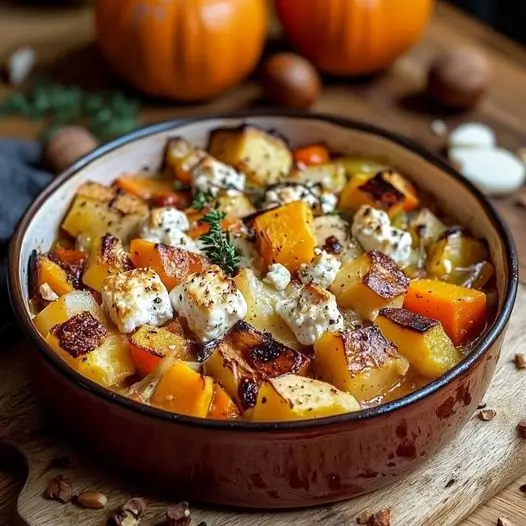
(330, 177)
(66, 307)
(387, 191)
(262, 157)
(361, 362)
(108, 257)
(84, 342)
(235, 206)
(455, 250)
(420, 339)
(261, 300)
(245, 356)
(293, 397)
(180, 158)
(92, 218)
(369, 283)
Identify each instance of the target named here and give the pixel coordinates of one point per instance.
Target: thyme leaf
(202, 199)
(217, 244)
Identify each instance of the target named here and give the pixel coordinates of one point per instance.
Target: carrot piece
(285, 235)
(72, 261)
(411, 200)
(171, 263)
(199, 229)
(181, 199)
(182, 390)
(311, 155)
(461, 311)
(222, 406)
(144, 187)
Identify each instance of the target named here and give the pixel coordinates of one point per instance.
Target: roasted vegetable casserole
(252, 281)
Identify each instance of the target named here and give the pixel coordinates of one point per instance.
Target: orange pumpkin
(353, 37)
(185, 49)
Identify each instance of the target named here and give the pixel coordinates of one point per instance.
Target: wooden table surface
(64, 41)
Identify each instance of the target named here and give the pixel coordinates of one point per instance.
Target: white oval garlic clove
(472, 135)
(20, 64)
(495, 171)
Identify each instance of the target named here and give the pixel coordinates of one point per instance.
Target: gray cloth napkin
(21, 180)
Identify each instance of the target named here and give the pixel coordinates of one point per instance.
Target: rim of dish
(491, 335)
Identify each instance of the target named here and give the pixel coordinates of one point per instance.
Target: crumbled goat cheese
(135, 298)
(310, 312)
(47, 293)
(167, 226)
(210, 303)
(322, 270)
(213, 176)
(372, 228)
(278, 276)
(284, 193)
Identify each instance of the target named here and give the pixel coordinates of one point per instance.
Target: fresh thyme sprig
(202, 199)
(218, 245)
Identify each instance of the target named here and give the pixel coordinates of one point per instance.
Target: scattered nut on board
(179, 515)
(458, 79)
(380, 518)
(59, 489)
(290, 81)
(520, 360)
(522, 488)
(521, 428)
(66, 146)
(93, 500)
(130, 513)
(487, 414)
(504, 521)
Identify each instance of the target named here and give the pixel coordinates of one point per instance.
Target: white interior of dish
(453, 197)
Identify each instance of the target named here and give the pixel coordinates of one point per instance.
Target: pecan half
(59, 489)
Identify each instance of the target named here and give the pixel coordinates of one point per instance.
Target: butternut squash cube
(369, 283)
(222, 406)
(108, 257)
(360, 362)
(285, 235)
(44, 271)
(264, 158)
(86, 345)
(420, 339)
(245, 356)
(293, 397)
(172, 264)
(461, 311)
(387, 191)
(261, 301)
(183, 390)
(149, 345)
(66, 307)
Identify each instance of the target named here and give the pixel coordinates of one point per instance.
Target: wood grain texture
(64, 40)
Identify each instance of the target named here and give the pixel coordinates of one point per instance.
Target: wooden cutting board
(483, 459)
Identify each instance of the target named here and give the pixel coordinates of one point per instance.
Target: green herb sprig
(202, 199)
(106, 114)
(217, 244)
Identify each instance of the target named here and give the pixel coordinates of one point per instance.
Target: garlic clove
(494, 171)
(472, 135)
(20, 64)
